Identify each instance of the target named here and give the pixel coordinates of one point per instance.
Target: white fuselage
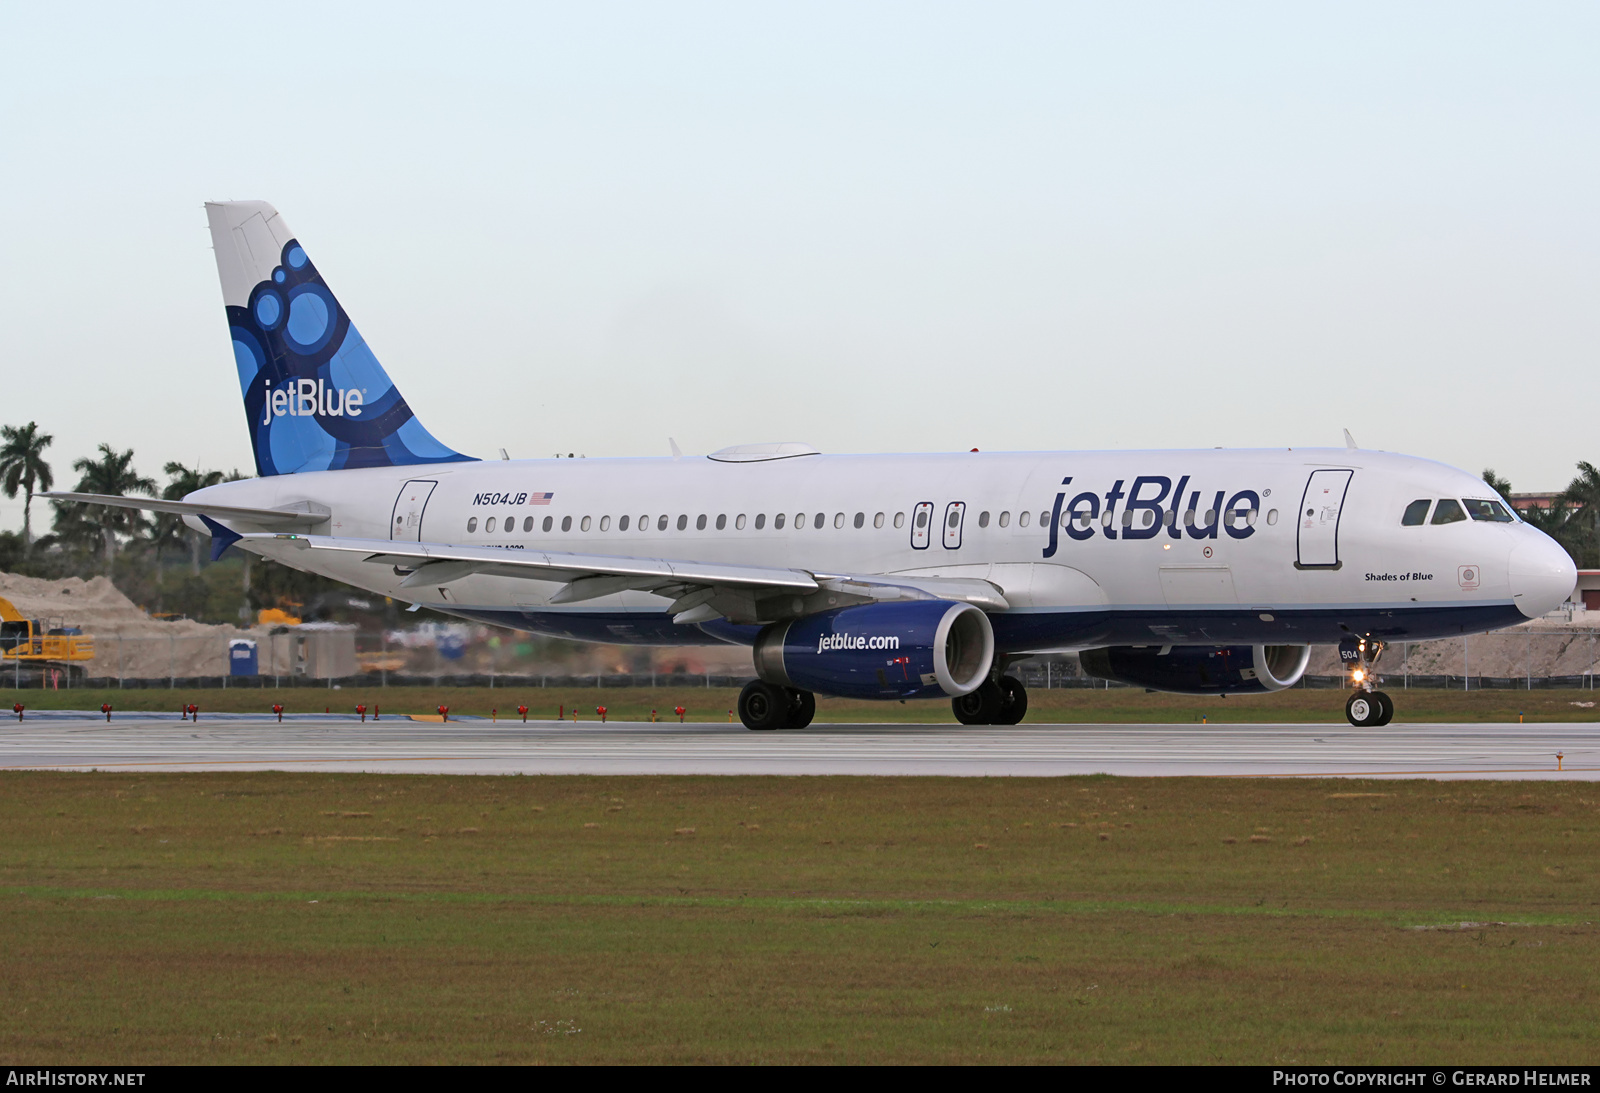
(1288, 558)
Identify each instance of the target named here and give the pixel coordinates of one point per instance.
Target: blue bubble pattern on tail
(315, 396)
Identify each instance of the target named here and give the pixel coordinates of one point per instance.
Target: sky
(868, 227)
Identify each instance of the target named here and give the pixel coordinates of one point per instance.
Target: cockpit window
(1416, 513)
(1492, 511)
(1448, 512)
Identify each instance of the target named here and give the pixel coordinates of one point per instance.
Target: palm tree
(182, 481)
(22, 466)
(1583, 494)
(1555, 520)
(112, 473)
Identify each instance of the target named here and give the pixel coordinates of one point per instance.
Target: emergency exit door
(1317, 541)
(407, 520)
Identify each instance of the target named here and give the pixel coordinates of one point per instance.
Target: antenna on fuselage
(1350, 441)
(677, 452)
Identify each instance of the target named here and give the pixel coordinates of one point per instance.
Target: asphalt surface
(315, 742)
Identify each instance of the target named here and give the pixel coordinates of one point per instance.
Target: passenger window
(1127, 518)
(983, 519)
(622, 523)
(820, 521)
(605, 523)
(1491, 511)
(1272, 516)
(566, 523)
(861, 519)
(777, 522)
(661, 523)
(922, 519)
(700, 522)
(472, 524)
(511, 525)
(899, 520)
(488, 525)
(877, 521)
(584, 526)
(644, 523)
(838, 519)
(1044, 519)
(527, 524)
(799, 520)
(1023, 518)
(549, 522)
(1416, 513)
(722, 520)
(1005, 519)
(738, 522)
(1448, 512)
(761, 520)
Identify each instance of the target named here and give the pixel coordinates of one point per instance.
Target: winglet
(1350, 441)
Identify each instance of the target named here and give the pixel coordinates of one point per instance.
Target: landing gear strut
(766, 706)
(993, 703)
(1368, 707)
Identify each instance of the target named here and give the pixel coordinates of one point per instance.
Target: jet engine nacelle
(1200, 669)
(921, 649)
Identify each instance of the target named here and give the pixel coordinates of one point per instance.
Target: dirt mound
(128, 642)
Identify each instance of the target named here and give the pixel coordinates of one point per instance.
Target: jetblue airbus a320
(869, 576)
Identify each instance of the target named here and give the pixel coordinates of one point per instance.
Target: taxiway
(63, 741)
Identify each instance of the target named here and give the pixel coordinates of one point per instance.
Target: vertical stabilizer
(315, 397)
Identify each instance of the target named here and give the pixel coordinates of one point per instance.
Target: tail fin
(315, 397)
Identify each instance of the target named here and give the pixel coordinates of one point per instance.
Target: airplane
(890, 577)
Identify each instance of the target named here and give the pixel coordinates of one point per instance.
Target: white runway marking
(478, 747)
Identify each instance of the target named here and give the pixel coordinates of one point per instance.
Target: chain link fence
(328, 655)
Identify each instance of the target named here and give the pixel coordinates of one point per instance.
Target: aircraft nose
(1542, 574)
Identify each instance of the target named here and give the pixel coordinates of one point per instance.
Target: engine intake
(921, 649)
(1198, 669)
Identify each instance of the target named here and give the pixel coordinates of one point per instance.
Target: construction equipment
(40, 642)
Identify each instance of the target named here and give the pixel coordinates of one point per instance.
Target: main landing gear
(994, 703)
(1368, 707)
(765, 706)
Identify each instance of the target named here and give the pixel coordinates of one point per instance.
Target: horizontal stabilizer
(284, 518)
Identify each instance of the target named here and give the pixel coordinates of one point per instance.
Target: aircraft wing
(292, 517)
(700, 591)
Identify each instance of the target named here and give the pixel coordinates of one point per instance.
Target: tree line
(155, 559)
(1572, 518)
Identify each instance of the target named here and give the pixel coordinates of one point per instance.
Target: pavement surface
(313, 742)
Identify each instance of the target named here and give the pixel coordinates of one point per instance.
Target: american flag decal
(540, 498)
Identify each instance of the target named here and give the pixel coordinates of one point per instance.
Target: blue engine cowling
(1200, 669)
(922, 649)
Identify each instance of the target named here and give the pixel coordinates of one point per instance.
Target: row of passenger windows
(508, 525)
(1450, 511)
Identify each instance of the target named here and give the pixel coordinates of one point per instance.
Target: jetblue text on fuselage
(1146, 511)
(311, 398)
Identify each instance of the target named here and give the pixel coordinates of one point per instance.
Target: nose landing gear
(1368, 707)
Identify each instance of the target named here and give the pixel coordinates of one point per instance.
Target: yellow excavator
(40, 642)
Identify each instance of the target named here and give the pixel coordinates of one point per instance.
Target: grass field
(369, 919)
(1120, 704)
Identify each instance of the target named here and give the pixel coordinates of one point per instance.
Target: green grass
(1119, 704)
(368, 918)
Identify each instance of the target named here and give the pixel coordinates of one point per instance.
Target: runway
(63, 741)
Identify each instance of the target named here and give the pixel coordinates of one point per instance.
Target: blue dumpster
(242, 657)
